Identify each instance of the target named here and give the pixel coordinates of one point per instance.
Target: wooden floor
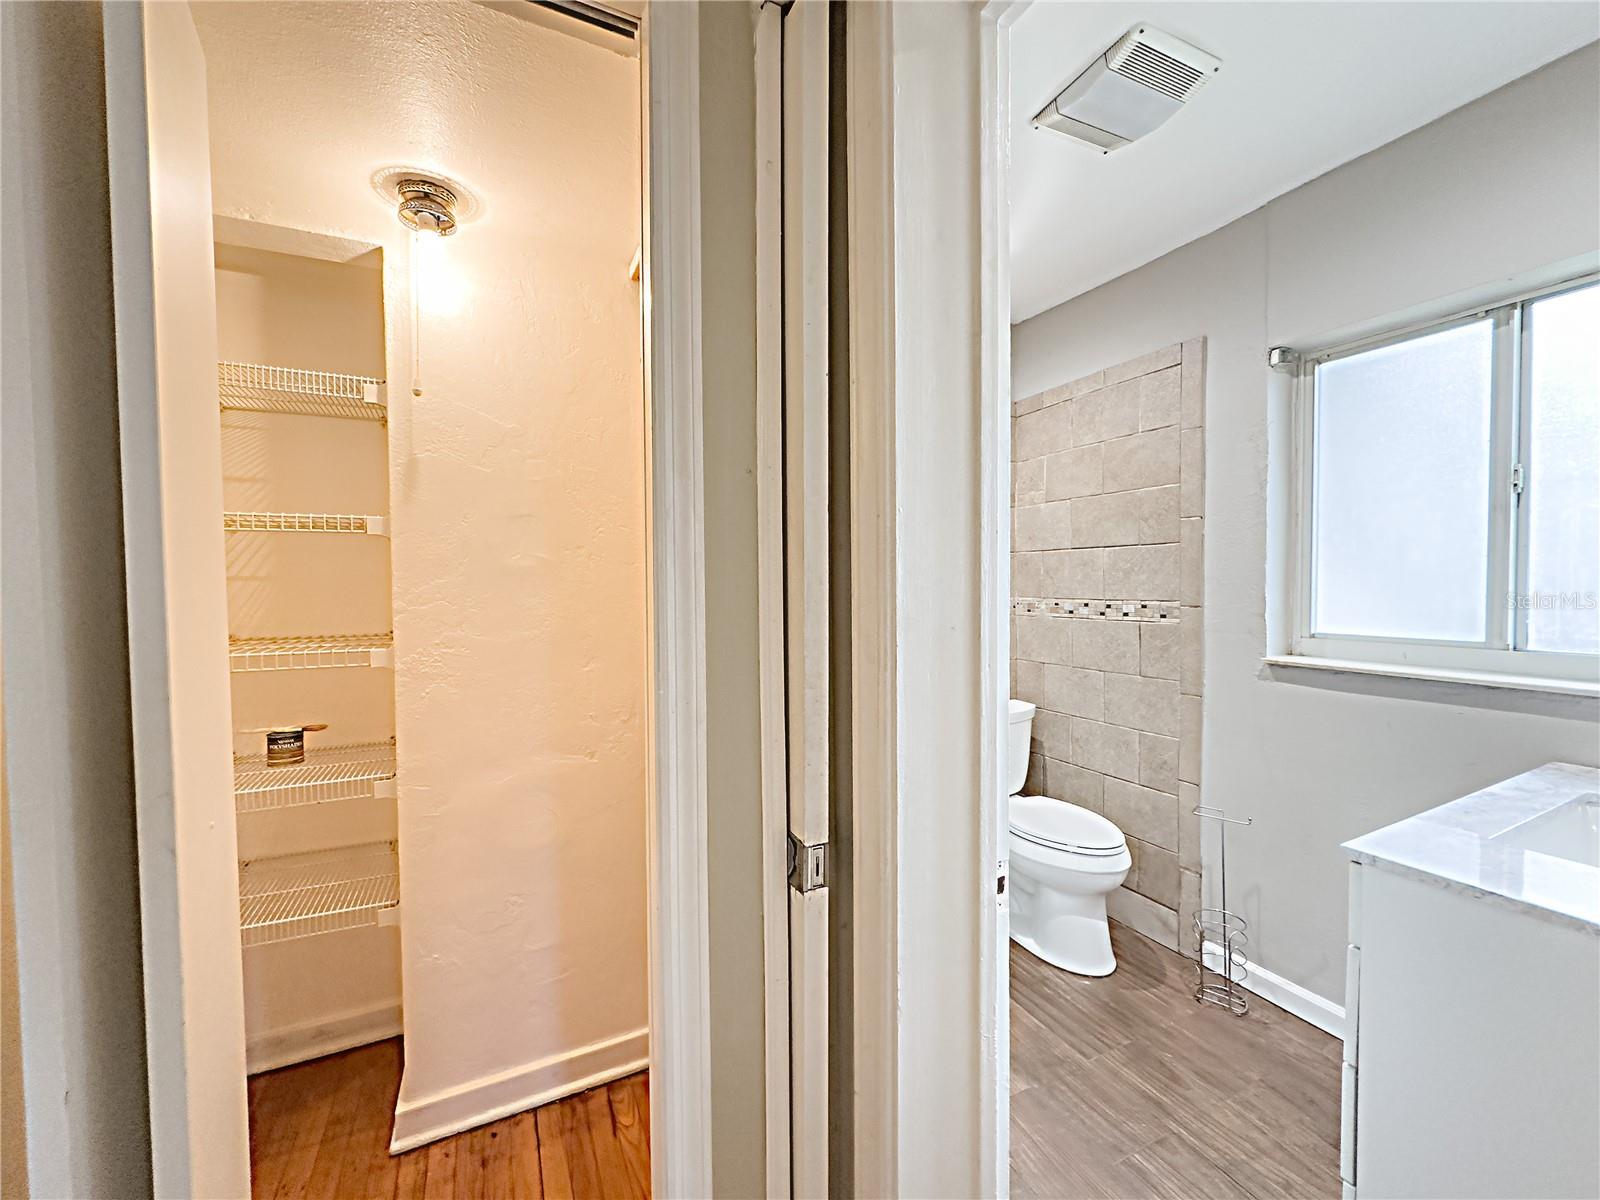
(320, 1131)
(1122, 1088)
(1125, 1087)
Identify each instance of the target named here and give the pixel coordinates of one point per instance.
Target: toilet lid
(1064, 826)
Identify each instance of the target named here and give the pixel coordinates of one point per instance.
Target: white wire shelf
(308, 653)
(360, 771)
(280, 522)
(299, 895)
(252, 387)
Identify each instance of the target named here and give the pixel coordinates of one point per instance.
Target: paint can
(286, 744)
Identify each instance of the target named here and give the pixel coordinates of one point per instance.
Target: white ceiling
(308, 100)
(1303, 88)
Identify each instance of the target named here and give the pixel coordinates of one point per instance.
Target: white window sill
(1494, 679)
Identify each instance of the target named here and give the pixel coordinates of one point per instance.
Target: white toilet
(1065, 861)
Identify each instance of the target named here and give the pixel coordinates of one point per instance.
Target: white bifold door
(792, 77)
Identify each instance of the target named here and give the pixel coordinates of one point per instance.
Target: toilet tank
(1019, 739)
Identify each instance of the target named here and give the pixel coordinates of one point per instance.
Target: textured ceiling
(313, 98)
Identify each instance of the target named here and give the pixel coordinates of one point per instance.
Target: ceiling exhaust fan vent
(1130, 90)
(1147, 62)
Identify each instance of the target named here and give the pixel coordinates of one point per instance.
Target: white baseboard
(1287, 995)
(479, 1101)
(312, 1039)
(1144, 916)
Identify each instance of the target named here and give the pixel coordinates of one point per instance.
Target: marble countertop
(1472, 844)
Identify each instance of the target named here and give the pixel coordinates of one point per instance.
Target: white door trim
(874, 667)
(895, 1118)
(994, 133)
(162, 280)
(132, 229)
(770, 589)
(806, 545)
(680, 1043)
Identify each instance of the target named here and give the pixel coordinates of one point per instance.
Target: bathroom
(1206, 701)
(734, 599)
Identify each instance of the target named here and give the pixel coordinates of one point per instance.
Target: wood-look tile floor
(1125, 1088)
(320, 1131)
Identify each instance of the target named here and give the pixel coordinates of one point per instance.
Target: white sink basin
(1570, 831)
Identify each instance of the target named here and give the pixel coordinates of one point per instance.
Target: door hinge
(808, 865)
(1518, 479)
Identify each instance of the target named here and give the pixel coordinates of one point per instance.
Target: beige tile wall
(1108, 511)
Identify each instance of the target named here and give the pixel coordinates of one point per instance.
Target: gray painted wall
(1499, 194)
(69, 754)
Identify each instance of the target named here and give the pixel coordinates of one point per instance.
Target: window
(1448, 484)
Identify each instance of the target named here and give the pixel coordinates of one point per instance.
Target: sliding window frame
(1502, 655)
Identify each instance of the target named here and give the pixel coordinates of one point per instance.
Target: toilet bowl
(1065, 861)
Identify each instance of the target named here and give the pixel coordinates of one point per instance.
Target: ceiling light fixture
(427, 206)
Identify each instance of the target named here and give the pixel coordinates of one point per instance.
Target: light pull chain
(415, 270)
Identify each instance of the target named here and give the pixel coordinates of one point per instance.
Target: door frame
(194, 1015)
(874, 657)
(895, 876)
(994, 308)
(770, 600)
(805, 291)
(678, 862)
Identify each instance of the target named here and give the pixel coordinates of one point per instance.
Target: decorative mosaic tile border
(1108, 610)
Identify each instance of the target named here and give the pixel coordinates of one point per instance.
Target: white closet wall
(307, 995)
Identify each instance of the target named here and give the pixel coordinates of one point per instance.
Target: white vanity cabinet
(1472, 1046)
